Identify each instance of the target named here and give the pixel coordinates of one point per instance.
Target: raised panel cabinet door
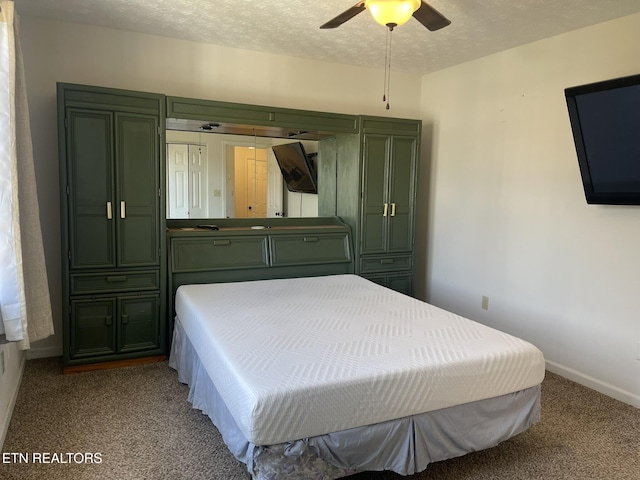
(309, 249)
(138, 190)
(90, 188)
(139, 318)
(375, 201)
(402, 181)
(219, 253)
(401, 283)
(92, 331)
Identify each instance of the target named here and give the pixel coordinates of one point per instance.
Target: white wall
(507, 215)
(64, 52)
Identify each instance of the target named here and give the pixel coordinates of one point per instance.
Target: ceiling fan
(420, 10)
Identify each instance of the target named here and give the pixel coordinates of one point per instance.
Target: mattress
(296, 358)
(405, 446)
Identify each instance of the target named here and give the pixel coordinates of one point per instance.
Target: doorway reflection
(227, 176)
(247, 183)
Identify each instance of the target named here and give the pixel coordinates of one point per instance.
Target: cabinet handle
(124, 319)
(386, 209)
(386, 261)
(109, 212)
(310, 239)
(122, 210)
(393, 209)
(217, 243)
(108, 320)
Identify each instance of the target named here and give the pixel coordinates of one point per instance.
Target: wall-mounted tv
(605, 119)
(296, 167)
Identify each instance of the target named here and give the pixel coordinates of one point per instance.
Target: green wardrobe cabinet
(369, 180)
(111, 146)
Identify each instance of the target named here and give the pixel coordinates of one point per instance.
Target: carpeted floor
(137, 423)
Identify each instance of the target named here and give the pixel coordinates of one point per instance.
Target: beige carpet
(139, 422)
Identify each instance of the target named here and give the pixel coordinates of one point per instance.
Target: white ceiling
(478, 27)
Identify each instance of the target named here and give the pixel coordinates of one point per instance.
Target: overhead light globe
(392, 13)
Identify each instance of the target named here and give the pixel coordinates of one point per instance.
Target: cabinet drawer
(114, 282)
(218, 253)
(386, 263)
(303, 249)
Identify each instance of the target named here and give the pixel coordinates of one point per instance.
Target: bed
(322, 377)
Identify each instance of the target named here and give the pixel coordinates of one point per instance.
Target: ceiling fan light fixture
(392, 13)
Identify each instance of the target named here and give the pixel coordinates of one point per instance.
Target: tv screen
(605, 119)
(297, 170)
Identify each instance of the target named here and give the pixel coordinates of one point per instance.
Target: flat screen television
(605, 119)
(296, 167)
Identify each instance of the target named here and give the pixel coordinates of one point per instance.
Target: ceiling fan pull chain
(387, 79)
(386, 62)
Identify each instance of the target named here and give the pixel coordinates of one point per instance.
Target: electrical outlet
(485, 302)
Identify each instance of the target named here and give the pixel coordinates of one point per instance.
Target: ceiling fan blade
(345, 16)
(430, 17)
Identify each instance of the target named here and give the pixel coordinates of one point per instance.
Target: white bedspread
(295, 358)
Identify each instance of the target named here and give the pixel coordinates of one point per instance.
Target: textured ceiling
(291, 27)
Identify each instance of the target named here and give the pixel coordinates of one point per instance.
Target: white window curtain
(25, 306)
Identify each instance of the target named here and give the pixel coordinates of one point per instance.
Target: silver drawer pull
(122, 210)
(109, 212)
(386, 209)
(393, 209)
(310, 239)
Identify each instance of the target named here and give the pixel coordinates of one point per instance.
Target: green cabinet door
(114, 325)
(93, 327)
(139, 317)
(375, 195)
(114, 191)
(389, 172)
(402, 180)
(90, 189)
(138, 189)
(402, 282)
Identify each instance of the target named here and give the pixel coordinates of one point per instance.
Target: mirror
(212, 175)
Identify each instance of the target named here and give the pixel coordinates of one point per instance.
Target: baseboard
(114, 364)
(4, 422)
(46, 352)
(595, 384)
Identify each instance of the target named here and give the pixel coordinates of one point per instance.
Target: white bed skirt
(406, 445)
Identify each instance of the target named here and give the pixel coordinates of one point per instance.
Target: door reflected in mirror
(248, 183)
(187, 181)
(230, 176)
